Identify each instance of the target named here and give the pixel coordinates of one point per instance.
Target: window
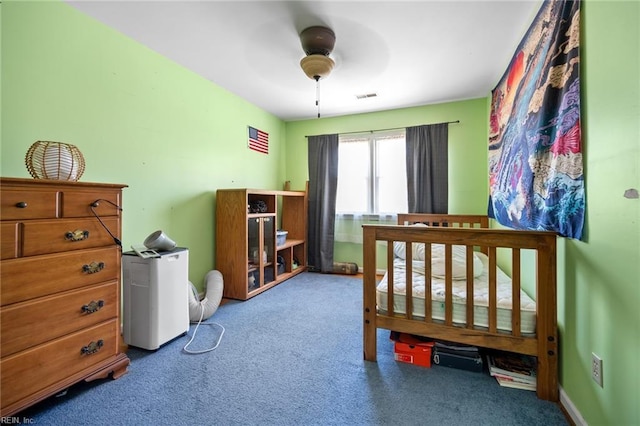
(372, 177)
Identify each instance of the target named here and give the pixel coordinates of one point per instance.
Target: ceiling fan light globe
(317, 66)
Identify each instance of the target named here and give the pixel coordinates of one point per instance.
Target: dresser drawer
(22, 323)
(9, 239)
(38, 276)
(42, 237)
(79, 203)
(20, 204)
(32, 370)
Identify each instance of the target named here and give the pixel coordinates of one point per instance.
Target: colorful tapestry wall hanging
(535, 156)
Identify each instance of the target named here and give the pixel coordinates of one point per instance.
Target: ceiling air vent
(367, 95)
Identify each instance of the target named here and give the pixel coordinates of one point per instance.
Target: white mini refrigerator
(155, 298)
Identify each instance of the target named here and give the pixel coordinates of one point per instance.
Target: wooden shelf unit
(246, 250)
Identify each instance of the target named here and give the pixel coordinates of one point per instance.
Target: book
(511, 383)
(512, 365)
(529, 381)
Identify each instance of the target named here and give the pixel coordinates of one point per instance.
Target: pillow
(399, 248)
(459, 258)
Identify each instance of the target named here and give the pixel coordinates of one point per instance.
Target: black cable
(95, 204)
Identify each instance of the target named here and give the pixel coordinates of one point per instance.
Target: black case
(471, 362)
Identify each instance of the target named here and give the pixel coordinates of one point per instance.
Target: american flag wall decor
(258, 140)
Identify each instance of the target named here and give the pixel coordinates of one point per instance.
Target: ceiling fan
(317, 43)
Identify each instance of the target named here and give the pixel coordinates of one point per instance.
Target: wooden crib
(470, 231)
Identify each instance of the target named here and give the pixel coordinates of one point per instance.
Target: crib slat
(448, 283)
(515, 293)
(493, 274)
(428, 311)
(470, 293)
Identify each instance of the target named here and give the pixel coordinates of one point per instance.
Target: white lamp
(54, 160)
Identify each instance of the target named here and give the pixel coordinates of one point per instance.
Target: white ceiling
(409, 53)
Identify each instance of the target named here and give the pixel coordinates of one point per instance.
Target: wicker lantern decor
(54, 160)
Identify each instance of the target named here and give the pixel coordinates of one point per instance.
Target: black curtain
(428, 168)
(323, 185)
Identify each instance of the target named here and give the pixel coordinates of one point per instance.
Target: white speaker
(159, 241)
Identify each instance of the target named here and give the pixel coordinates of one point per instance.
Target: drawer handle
(77, 235)
(92, 307)
(93, 267)
(21, 205)
(92, 347)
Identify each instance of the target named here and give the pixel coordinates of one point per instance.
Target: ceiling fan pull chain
(318, 94)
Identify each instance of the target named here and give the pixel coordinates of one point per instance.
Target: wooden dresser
(60, 273)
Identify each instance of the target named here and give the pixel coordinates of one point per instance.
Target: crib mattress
(481, 297)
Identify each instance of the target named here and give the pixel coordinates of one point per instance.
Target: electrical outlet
(596, 369)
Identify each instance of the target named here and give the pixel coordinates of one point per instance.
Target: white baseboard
(571, 409)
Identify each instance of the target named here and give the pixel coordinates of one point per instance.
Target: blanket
(535, 156)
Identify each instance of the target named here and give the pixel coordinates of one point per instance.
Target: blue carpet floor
(291, 356)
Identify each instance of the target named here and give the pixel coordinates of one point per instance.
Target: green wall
(175, 138)
(601, 292)
(468, 185)
(138, 118)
